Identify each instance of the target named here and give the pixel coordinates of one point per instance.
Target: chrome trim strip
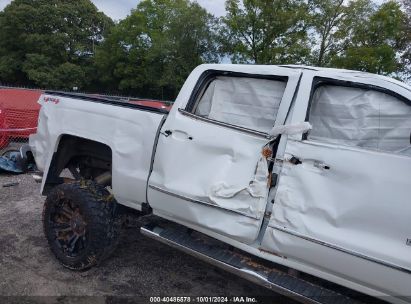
(359, 255)
(243, 273)
(200, 202)
(222, 124)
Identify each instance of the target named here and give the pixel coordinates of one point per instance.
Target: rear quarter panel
(130, 133)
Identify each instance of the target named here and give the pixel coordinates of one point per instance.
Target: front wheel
(81, 223)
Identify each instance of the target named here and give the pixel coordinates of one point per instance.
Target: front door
(343, 203)
(208, 171)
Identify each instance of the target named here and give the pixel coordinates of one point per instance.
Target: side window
(246, 102)
(360, 117)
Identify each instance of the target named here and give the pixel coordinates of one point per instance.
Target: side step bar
(245, 267)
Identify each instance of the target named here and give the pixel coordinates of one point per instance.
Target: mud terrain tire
(82, 224)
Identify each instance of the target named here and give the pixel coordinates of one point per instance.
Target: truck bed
(129, 130)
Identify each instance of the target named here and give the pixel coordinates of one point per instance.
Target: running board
(244, 266)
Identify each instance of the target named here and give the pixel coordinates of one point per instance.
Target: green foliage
(333, 22)
(41, 39)
(61, 44)
(406, 56)
(375, 45)
(354, 34)
(265, 31)
(153, 50)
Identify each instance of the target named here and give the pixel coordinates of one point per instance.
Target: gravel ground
(140, 267)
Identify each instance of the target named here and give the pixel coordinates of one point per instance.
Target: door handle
(320, 165)
(296, 160)
(177, 134)
(166, 133)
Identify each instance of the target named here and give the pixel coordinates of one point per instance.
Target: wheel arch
(69, 148)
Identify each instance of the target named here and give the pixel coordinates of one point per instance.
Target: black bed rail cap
(115, 101)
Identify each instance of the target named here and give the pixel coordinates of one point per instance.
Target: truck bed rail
(105, 100)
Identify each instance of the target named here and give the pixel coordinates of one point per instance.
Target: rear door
(343, 200)
(208, 172)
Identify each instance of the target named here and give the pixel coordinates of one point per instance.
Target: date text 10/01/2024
(203, 300)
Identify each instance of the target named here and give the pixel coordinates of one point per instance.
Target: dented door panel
(344, 210)
(209, 173)
(374, 278)
(344, 206)
(214, 189)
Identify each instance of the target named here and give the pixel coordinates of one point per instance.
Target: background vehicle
(306, 169)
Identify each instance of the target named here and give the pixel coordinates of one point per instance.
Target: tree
(376, 44)
(332, 22)
(50, 43)
(265, 31)
(153, 50)
(406, 57)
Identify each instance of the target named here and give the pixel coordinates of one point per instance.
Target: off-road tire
(102, 223)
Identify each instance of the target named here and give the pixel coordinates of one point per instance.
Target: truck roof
(329, 71)
(354, 73)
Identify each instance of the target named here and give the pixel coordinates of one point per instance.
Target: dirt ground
(139, 269)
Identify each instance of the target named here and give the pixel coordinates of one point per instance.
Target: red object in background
(19, 114)
(4, 136)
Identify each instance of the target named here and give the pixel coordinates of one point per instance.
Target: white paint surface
(130, 134)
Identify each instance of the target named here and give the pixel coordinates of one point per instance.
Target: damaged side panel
(224, 187)
(344, 209)
(209, 172)
(129, 133)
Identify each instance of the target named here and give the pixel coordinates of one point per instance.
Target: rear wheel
(81, 223)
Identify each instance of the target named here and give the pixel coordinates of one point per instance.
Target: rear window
(246, 102)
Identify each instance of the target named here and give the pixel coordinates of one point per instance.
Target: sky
(118, 9)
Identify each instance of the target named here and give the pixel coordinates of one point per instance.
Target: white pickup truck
(296, 178)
